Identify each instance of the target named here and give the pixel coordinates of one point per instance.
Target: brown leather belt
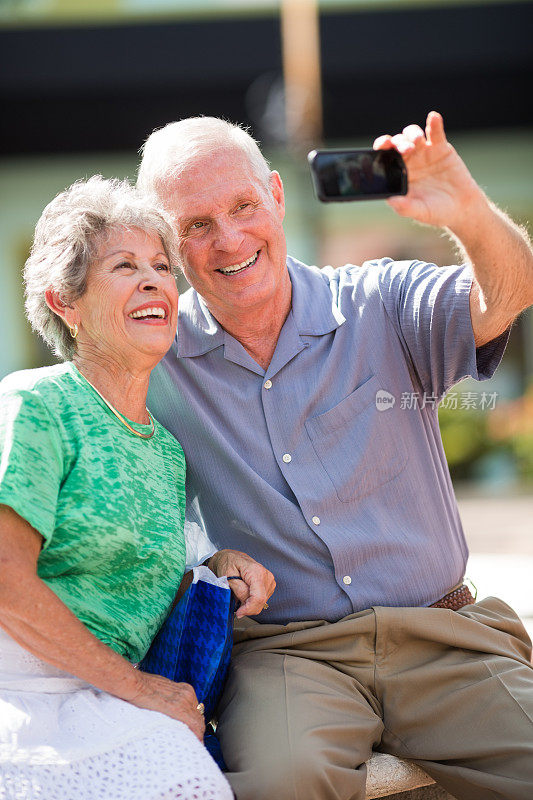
(456, 599)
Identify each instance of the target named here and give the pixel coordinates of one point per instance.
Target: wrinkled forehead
(121, 236)
(212, 178)
(205, 154)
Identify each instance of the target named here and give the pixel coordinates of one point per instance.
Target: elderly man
(371, 640)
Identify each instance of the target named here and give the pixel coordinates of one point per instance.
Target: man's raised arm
(443, 193)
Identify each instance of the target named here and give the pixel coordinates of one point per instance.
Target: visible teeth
(238, 267)
(156, 311)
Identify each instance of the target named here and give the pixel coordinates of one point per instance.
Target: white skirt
(62, 739)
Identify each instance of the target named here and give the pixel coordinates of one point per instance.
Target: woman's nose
(150, 280)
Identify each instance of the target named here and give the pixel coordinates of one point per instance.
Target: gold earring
(73, 330)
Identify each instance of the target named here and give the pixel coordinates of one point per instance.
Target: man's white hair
(168, 151)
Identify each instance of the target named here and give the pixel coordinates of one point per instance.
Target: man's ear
(55, 303)
(276, 188)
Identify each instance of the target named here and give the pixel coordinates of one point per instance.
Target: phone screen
(357, 174)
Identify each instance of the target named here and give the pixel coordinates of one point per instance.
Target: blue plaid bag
(194, 644)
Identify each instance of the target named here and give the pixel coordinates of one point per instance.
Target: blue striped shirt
(318, 467)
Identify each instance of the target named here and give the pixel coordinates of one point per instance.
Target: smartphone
(341, 175)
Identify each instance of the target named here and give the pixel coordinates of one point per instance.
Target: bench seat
(397, 779)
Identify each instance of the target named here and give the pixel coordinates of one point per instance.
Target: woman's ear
(68, 314)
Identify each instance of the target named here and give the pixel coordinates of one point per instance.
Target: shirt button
(287, 458)
(316, 520)
(347, 580)
(268, 384)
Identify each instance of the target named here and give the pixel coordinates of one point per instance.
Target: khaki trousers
(307, 702)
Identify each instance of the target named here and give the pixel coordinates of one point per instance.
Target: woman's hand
(176, 700)
(257, 584)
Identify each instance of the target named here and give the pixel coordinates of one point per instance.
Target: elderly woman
(91, 520)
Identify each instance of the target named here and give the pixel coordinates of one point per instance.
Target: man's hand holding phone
(418, 172)
(442, 191)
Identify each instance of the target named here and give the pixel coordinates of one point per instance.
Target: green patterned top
(109, 505)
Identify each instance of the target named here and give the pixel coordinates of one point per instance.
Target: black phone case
(312, 158)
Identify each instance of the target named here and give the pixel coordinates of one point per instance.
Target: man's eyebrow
(250, 194)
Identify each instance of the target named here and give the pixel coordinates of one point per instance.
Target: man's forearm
(501, 257)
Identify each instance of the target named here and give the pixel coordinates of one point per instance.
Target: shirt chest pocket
(357, 444)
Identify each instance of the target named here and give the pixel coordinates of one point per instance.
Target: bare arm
(443, 193)
(33, 615)
(502, 263)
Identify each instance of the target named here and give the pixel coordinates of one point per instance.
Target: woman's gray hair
(67, 237)
(168, 151)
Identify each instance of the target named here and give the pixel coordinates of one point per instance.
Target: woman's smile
(154, 313)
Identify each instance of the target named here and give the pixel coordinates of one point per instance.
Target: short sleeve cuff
(480, 363)
(489, 355)
(31, 465)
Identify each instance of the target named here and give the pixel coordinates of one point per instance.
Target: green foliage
(465, 438)
(474, 438)
(521, 447)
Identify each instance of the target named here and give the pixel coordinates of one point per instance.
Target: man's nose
(228, 235)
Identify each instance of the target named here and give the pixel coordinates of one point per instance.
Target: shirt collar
(314, 299)
(312, 291)
(198, 330)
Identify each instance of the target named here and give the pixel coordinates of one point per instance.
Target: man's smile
(236, 268)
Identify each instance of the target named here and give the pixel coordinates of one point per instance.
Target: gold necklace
(119, 416)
